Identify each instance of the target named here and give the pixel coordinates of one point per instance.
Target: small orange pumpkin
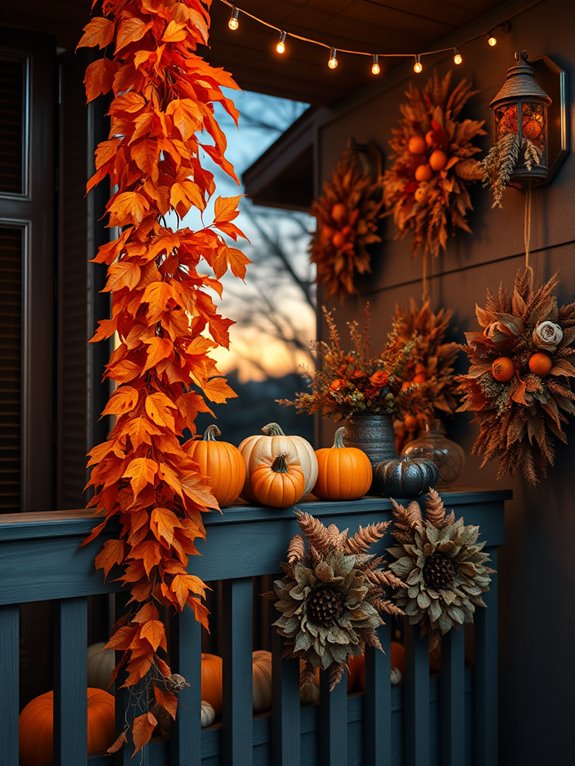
(540, 364)
(221, 463)
(211, 680)
(343, 473)
(36, 724)
(277, 483)
(503, 369)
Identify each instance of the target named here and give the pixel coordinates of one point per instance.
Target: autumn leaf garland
(161, 283)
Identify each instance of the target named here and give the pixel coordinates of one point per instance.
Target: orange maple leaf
(112, 553)
(158, 408)
(167, 700)
(130, 30)
(141, 472)
(218, 390)
(162, 523)
(142, 730)
(98, 31)
(128, 207)
(154, 633)
(99, 78)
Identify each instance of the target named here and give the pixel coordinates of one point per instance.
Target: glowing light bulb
(281, 45)
(492, 40)
(234, 21)
(418, 66)
(457, 57)
(375, 68)
(332, 63)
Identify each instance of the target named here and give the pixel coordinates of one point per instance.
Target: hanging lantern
(520, 110)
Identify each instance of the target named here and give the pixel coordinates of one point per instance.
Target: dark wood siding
(536, 572)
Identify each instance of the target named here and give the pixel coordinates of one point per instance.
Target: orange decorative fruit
(411, 422)
(339, 212)
(540, 364)
(339, 239)
(532, 129)
(423, 173)
(438, 160)
(416, 145)
(421, 193)
(419, 378)
(503, 369)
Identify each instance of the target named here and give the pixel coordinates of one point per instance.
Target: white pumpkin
(273, 442)
(101, 663)
(208, 714)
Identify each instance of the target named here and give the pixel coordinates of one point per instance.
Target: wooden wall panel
(537, 575)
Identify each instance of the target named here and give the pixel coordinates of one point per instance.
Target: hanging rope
(424, 290)
(527, 232)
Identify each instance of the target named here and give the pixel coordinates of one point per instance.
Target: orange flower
(379, 378)
(357, 375)
(337, 384)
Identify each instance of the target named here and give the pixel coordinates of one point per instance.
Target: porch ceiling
(391, 26)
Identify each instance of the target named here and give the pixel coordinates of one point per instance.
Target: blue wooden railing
(450, 720)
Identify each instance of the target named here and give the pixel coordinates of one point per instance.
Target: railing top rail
(17, 526)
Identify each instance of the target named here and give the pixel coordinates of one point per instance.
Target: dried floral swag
(442, 563)
(353, 382)
(347, 215)
(161, 283)
(431, 361)
(432, 163)
(332, 596)
(518, 384)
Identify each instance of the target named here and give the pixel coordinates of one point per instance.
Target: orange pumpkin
(258, 449)
(343, 473)
(356, 675)
(503, 369)
(212, 680)
(221, 463)
(36, 723)
(540, 364)
(277, 483)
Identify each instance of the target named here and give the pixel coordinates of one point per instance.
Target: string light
(281, 45)
(332, 63)
(234, 21)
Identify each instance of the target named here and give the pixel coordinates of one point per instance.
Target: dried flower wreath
(441, 562)
(347, 215)
(432, 151)
(518, 384)
(332, 595)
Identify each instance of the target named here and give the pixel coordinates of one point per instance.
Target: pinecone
(438, 572)
(325, 605)
(175, 683)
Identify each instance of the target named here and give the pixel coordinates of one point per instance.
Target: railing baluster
(9, 683)
(186, 742)
(486, 675)
(286, 744)
(416, 696)
(333, 722)
(237, 731)
(377, 704)
(130, 703)
(70, 707)
(452, 708)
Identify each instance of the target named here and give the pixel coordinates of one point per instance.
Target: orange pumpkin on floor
(36, 722)
(356, 675)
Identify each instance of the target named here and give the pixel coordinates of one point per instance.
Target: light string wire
(455, 49)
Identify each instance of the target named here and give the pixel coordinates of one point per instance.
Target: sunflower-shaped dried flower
(332, 595)
(443, 565)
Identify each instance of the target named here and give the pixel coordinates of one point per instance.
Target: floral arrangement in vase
(352, 382)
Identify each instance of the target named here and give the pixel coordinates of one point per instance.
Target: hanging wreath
(442, 563)
(332, 596)
(432, 151)
(347, 215)
(518, 384)
(160, 280)
(431, 360)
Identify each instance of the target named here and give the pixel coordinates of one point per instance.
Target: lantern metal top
(520, 84)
